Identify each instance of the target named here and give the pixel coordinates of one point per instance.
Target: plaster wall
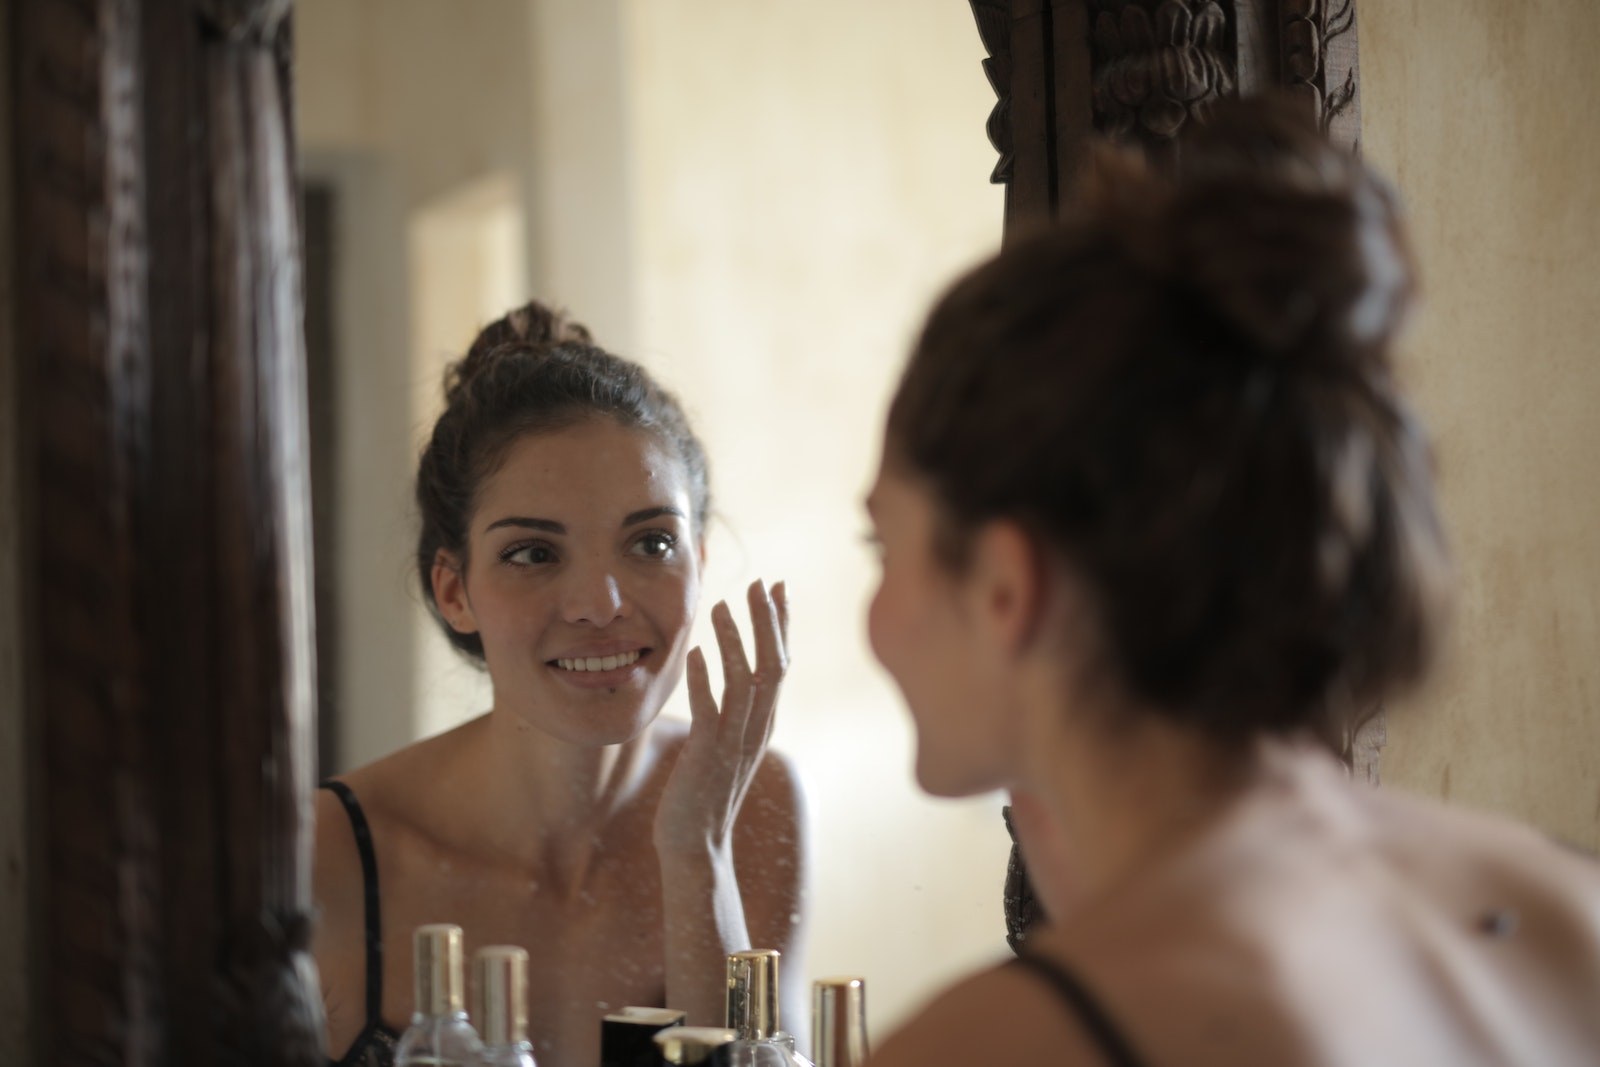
(1482, 112)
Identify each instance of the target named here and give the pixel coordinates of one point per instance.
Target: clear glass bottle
(500, 1004)
(753, 1014)
(439, 1034)
(839, 1022)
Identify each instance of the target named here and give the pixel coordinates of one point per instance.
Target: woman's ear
(1010, 578)
(450, 593)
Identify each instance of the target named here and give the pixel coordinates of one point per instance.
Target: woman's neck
(536, 800)
(1104, 803)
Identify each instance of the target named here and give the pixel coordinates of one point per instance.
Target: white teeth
(599, 663)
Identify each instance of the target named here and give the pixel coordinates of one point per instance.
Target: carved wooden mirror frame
(165, 605)
(167, 599)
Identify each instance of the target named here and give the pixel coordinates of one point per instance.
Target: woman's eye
(655, 545)
(528, 555)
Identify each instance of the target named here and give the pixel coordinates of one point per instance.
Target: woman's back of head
(1186, 391)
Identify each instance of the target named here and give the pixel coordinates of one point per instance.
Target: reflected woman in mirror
(563, 501)
(1153, 513)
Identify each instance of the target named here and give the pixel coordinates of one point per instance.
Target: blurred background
(758, 201)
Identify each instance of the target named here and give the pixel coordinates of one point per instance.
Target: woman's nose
(593, 595)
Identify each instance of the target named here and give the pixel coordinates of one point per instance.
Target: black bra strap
(1083, 1005)
(369, 881)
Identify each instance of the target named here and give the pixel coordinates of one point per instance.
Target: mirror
(757, 202)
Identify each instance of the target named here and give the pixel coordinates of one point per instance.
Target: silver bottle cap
(839, 1022)
(500, 980)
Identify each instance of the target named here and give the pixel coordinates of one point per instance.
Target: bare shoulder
(385, 793)
(1508, 871)
(1000, 1017)
(775, 795)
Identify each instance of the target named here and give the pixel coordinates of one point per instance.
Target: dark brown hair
(1186, 391)
(532, 371)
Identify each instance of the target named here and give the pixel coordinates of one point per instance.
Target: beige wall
(1483, 111)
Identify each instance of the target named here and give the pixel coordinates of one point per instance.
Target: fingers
(767, 621)
(780, 597)
(702, 705)
(735, 671)
(766, 618)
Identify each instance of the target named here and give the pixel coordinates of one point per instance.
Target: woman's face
(922, 625)
(582, 581)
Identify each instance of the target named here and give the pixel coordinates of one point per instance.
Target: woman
(563, 501)
(1154, 517)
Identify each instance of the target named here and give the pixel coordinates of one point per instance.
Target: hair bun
(1282, 235)
(533, 325)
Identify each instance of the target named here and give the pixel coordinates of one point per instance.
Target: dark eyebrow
(527, 524)
(652, 513)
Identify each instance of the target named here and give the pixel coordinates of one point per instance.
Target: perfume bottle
(626, 1036)
(753, 1014)
(693, 1045)
(439, 1034)
(839, 1022)
(500, 1004)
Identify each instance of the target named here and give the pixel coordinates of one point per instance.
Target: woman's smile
(609, 670)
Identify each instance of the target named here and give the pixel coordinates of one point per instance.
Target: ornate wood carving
(1142, 70)
(1318, 45)
(1158, 66)
(994, 29)
(170, 625)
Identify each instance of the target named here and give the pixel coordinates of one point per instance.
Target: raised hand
(727, 738)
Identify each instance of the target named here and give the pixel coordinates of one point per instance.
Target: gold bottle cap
(753, 993)
(500, 982)
(839, 1022)
(691, 1044)
(437, 949)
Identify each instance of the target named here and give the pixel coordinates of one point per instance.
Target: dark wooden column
(167, 536)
